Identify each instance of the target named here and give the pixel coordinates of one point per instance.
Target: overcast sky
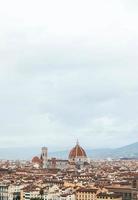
(68, 70)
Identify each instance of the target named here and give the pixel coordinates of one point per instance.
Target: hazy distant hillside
(28, 153)
(128, 151)
(18, 153)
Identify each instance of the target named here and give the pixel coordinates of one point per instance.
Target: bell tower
(44, 156)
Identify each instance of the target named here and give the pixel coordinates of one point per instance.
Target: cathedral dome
(77, 152)
(36, 159)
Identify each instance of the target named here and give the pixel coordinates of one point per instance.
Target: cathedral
(77, 158)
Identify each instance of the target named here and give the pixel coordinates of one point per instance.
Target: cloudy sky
(68, 70)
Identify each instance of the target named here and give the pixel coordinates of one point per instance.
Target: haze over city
(68, 100)
(68, 70)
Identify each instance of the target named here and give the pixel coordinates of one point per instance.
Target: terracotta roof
(77, 151)
(36, 160)
(89, 190)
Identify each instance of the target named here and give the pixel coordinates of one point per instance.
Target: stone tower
(44, 156)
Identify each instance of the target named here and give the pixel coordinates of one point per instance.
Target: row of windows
(80, 194)
(85, 198)
(3, 189)
(105, 197)
(86, 195)
(3, 198)
(127, 194)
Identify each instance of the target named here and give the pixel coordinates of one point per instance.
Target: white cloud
(68, 68)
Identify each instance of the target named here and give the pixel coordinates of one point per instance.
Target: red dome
(36, 159)
(77, 151)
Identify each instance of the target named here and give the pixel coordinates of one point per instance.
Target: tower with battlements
(44, 157)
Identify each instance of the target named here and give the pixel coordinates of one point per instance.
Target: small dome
(77, 151)
(36, 159)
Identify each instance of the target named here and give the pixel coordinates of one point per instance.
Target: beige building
(86, 194)
(109, 196)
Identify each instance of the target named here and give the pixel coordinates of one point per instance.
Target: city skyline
(68, 70)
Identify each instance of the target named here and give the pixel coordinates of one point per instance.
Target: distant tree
(41, 193)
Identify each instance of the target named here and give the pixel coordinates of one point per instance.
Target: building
(109, 196)
(44, 157)
(77, 157)
(4, 192)
(86, 194)
(124, 191)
